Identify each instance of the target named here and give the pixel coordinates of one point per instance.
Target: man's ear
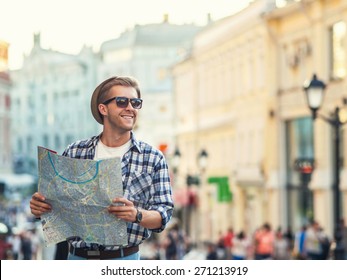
(102, 109)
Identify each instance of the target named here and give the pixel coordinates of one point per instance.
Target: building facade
(50, 103)
(5, 103)
(246, 107)
(229, 112)
(311, 39)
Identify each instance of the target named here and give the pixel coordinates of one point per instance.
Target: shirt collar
(135, 143)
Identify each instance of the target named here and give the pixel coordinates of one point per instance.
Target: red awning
(185, 196)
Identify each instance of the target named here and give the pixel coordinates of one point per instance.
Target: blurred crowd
(21, 239)
(309, 243)
(26, 245)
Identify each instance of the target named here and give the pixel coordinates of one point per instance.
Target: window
(29, 144)
(45, 140)
(299, 136)
(57, 142)
(20, 145)
(299, 145)
(337, 50)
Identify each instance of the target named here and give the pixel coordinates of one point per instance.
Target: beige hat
(94, 101)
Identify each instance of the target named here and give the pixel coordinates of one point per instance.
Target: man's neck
(115, 140)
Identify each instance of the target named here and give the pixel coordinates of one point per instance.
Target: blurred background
(247, 102)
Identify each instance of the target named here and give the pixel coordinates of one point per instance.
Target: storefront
(299, 166)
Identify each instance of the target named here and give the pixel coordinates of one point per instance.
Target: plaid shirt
(145, 176)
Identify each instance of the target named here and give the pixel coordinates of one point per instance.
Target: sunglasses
(123, 102)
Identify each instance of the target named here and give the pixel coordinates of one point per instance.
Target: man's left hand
(123, 208)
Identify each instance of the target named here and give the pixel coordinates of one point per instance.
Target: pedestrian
(115, 104)
(221, 252)
(299, 250)
(36, 245)
(26, 245)
(343, 226)
(5, 247)
(241, 245)
(312, 242)
(228, 242)
(289, 236)
(15, 241)
(281, 246)
(175, 244)
(264, 243)
(325, 244)
(211, 251)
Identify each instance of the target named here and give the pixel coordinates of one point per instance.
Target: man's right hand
(38, 205)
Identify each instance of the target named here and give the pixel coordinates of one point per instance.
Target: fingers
(123, 212)
(123, 209)
(38, 196)
(38, 205)
(122, 201)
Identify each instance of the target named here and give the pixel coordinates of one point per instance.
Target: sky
(67, 25)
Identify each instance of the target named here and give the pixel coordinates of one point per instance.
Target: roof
(162, 34)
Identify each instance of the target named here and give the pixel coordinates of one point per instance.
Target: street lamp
(315, 91)
(202, 165)
(202, 160)
(176, 160)
(195, 180)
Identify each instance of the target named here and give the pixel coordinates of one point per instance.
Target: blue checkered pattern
(146, 182)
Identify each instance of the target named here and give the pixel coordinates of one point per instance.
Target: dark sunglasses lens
(122, 102)
(136, 103)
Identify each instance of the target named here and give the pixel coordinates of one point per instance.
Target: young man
(115, 104)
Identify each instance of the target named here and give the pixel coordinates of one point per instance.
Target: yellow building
(224, 103)
(311, 38)
(239, 96)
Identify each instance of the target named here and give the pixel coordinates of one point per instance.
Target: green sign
(223, 190)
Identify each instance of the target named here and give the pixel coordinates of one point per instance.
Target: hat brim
(94, 101)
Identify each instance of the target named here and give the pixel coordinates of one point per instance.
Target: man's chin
(128, 128)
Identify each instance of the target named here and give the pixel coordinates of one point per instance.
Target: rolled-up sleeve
(162, 199)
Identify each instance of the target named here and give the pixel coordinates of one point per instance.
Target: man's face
(115, 117)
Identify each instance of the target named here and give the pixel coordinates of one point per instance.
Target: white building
(51, 102)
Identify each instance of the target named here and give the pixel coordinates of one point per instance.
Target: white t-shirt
(103, 152)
